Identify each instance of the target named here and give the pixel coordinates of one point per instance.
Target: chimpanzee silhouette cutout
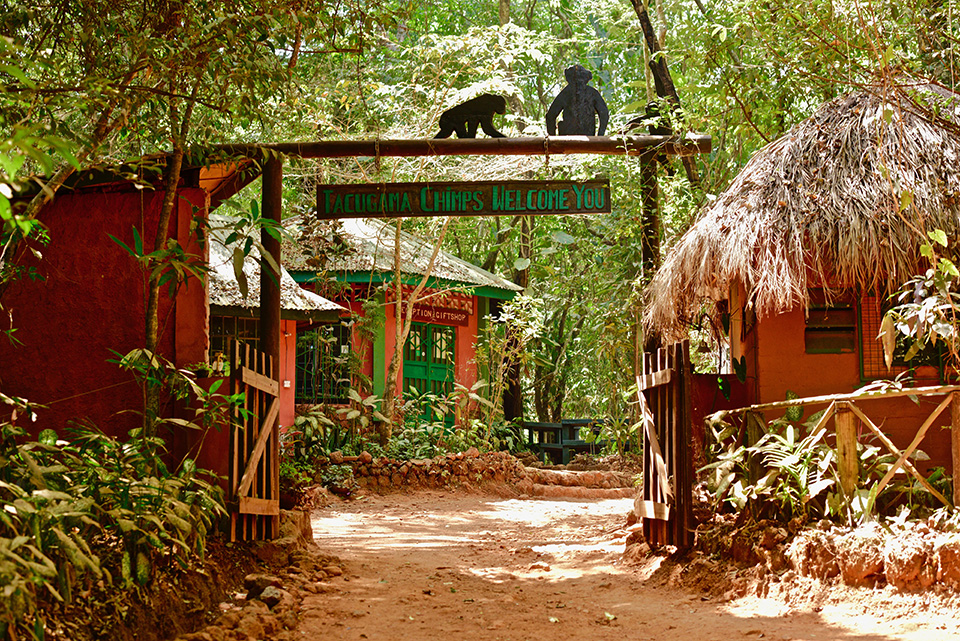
(465, 117)
(580, 104)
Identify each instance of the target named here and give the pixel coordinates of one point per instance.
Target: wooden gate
(254, 476)
(664, 391)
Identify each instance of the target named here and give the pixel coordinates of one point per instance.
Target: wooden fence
(843, 410)
(664, 392)
(254, 475)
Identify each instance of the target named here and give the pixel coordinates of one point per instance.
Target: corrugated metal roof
(369, 247)
(223, 286)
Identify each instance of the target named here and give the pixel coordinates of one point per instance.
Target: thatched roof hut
(845, 199)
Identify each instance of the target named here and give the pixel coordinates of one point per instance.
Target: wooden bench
(559, 441)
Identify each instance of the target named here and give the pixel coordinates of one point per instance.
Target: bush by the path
(88, 513)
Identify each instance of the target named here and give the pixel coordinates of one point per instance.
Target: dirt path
(465, 567)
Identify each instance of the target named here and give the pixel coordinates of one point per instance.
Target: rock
(256, 583)
(472, 452)
(336, 457)
(366, 457)
(271, 595)
(296, 524)
(271, 625)
(333, 570)
(196, 636)
(254, 608)
(813, 553)
(230, 620)
(251, 627)
(947, 554)
(860, 556)
(288, 619)
(216, 634)
(904, 558)
(275, 553)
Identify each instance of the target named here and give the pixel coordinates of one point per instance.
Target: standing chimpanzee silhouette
(580, 105)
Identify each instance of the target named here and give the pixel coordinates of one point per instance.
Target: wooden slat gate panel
(254, 476)
(664, 396)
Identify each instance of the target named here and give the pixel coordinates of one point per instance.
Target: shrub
(65, 505)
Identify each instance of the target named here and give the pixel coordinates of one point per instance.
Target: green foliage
(926, 311)
(618, 434)
(501, 347)
(791, 473)
(338, 476)
(68, 506)
(316, 433)
(211, 410)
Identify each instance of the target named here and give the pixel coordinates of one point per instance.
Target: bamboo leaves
(55, 496)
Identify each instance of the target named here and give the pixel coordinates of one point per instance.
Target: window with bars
(224, 329)
(872, 365)
(323, 365)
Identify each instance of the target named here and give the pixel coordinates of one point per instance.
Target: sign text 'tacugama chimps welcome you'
(488, 198)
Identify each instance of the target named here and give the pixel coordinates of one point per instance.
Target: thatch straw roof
(845, 199)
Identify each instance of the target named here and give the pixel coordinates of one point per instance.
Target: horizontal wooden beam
(263, 507)
(526, 146)
(933, 390)
(653, 510)
(259, 381)
(656, 379)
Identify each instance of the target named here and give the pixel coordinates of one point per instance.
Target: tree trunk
(403, 322)
(513, 394)
(661, 74)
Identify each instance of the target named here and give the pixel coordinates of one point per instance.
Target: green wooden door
(428, 361)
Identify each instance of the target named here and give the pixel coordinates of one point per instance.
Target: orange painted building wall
(288, 371)
(782, 364)
(466, 356)
(465, 348)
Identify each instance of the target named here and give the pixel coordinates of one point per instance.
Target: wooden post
(270, 278)
(955, 442)
(847, 459)
(270, 326)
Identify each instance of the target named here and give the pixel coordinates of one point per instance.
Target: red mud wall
(89, 305)
(783, 364)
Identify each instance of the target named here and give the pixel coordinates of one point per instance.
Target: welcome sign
(486, 198)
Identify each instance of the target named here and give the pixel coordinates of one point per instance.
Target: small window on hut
(226, 329)
(831, 326)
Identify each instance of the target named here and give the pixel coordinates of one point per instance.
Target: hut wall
(467, 348)
(288, 370)
(89, 305)
(783, 364)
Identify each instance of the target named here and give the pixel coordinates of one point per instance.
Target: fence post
(847, 460)
(955, 443)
